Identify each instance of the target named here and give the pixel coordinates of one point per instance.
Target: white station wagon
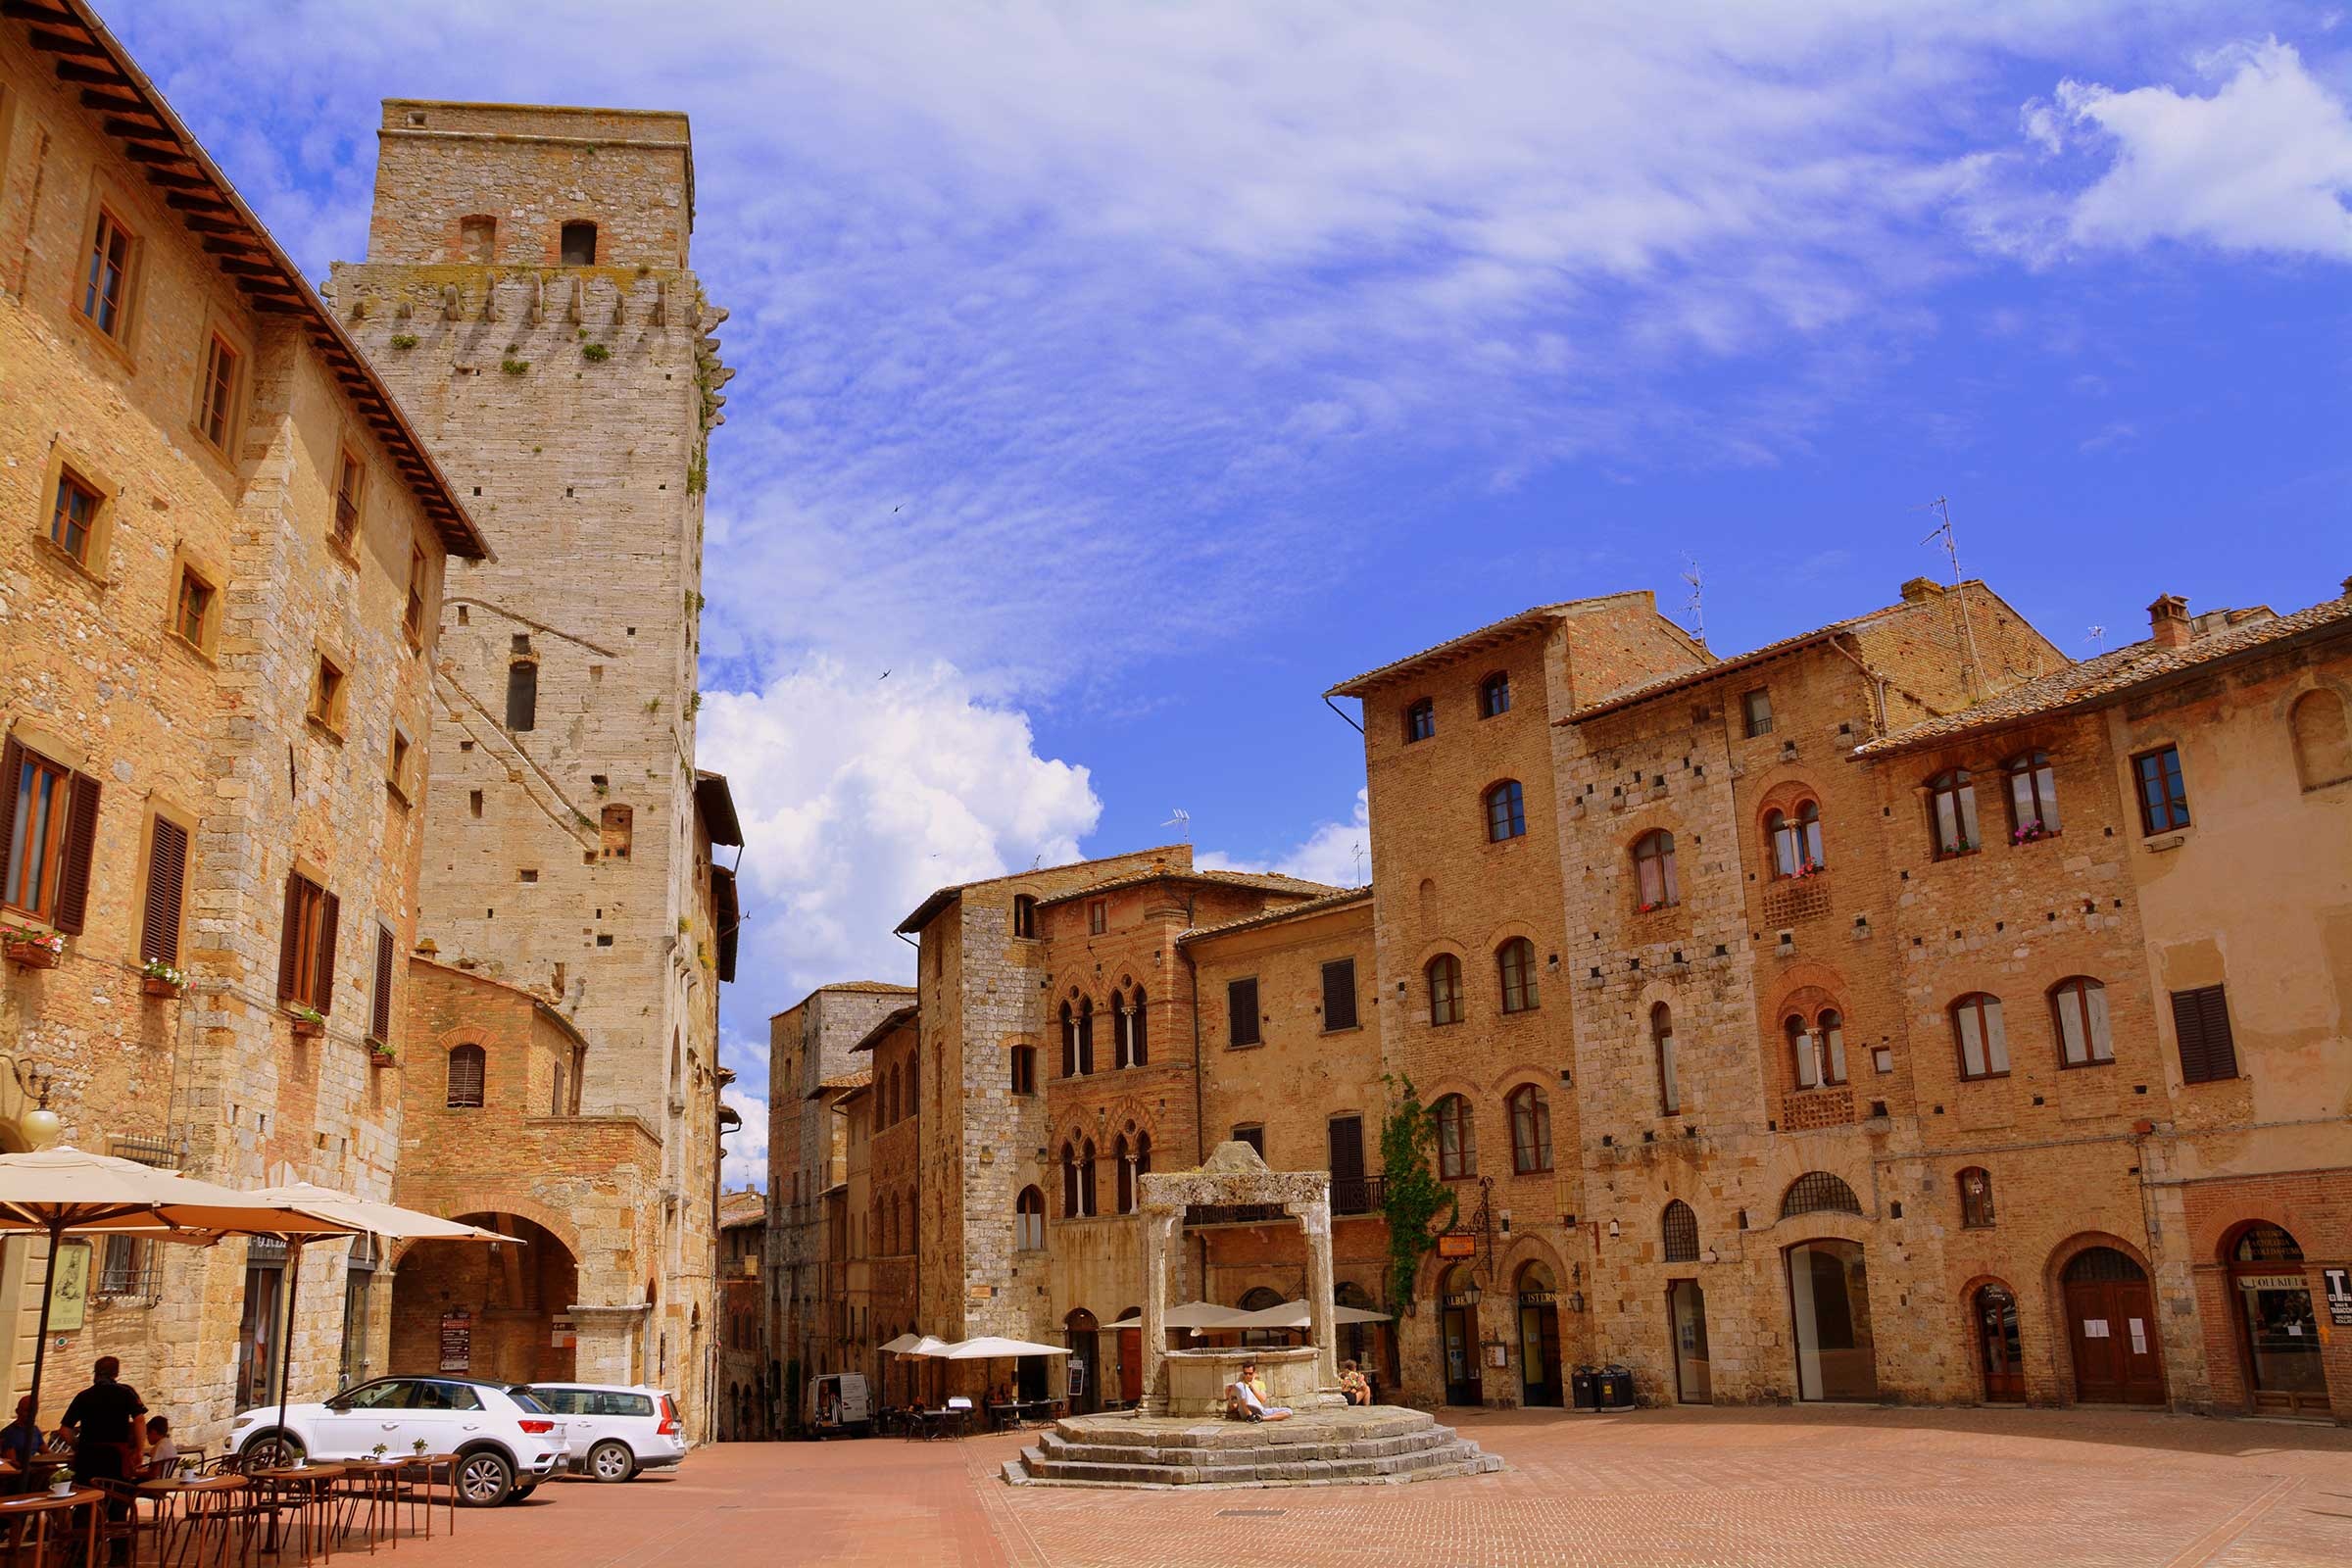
(614, 1432)
(506, 1443)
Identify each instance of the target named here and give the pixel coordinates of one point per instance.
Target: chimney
(2168, 620)
(1919, 590)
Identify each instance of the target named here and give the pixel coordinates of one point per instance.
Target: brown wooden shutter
(82, 844)
(2201, 1024)
(289, 938)
(1338, 994)
(167, 889)
(12, 766)
(325, 993)
(1240, 1005)
(1346, 1135)
(380, 1019)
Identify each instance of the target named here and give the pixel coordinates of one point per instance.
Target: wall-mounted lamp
(1612, 1229)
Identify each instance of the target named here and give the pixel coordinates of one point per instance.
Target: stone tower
(527, 296)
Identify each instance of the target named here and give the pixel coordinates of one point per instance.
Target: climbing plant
(1412, 1196)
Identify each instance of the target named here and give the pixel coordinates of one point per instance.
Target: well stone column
(1159, 1231)
(1315, 1219)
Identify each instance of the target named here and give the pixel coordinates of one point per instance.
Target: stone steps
(1360, 1449)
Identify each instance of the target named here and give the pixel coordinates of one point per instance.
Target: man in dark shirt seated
(20, 1440)
(110, 1441)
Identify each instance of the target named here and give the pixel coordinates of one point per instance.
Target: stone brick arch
(2051, 1318)
(1525, 1250)
(1502, 931)
(2053, 1269)
(494, 1200)
(2218, 1233)
(1431, 949)
(1523, 1072)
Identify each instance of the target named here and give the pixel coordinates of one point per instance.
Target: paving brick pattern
(1658, 1487)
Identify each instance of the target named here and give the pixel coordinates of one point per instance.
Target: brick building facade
(222, 548)
(1863, 1018)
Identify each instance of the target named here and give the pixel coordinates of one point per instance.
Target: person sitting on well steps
(1248, 1399)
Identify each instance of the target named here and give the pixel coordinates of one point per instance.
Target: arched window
(1795, 839)
(2267, 1243)
(1444, 976)
(1952, 814)
(1531, 1130)
(578, 240)
(2032, 797)
(1119, 1029)
(1975, 1197)
(1122, 1177)
(1516, 961)
(1139, 1052)
(1494, 696)
(1069, 1182)
(1457, 1139)
(1653, 870)
(2079, 1014)
(1977, 1030)
(1680, 1230)
(1086, 1034)
(467, 1071)
(1506, 811)
(1817, 1192)
(1818, 1053)
(2322, 740)
(1086, 1178)
(1029, 1221)
(1069, 1042)
(1420, 720)
(1662, 1046)
(914, 1087)
(1025, 914)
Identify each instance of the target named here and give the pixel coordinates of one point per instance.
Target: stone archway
(486, 1311)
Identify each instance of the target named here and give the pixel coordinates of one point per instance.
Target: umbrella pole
(41, 1346)
(285, 1351)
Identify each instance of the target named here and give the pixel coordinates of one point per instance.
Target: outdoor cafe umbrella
(354, 1214)
(912, 1344)
(53, 1191)
(1296, 1315)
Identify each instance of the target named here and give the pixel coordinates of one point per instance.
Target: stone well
(1196, 1380)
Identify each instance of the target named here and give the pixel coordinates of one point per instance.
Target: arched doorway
(2111, 1328)
(1538, 1337)
(486, 1311)
(1457, 1335)
(1079, 1331)
(2000, 1353)
(1829, 1305)
(2279, 1332)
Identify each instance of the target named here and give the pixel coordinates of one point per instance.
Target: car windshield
(526, 1400)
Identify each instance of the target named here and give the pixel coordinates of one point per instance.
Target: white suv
(505, 1444)
(614, 1432)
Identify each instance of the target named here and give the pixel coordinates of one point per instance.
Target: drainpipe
(1877, 686)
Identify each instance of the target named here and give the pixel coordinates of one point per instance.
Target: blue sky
(1119, 376)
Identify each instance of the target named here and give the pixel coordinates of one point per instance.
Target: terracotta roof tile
(1263, 881)
(1471, 641)
(890, 1020)
(842, 1082)
(742, 1208)
(1330, 901)
(2111, 674)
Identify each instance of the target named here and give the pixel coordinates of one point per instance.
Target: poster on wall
(457, 1341)
(563, 1333)
(2339, 1297)
(70, 1288)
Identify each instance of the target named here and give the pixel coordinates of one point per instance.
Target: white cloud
(1337, 853)
(2263, 164)
(859, 796)
(746, 1164)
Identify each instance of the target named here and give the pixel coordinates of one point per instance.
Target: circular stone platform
(1357, 1445)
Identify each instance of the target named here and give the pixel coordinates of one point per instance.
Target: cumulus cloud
(2262, 163)
(859, 796)
(1338, 852)
(746, 1164)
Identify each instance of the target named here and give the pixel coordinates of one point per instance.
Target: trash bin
(1615, 1388)
(1584, 1389)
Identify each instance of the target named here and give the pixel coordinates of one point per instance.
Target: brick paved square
(1765, 1487)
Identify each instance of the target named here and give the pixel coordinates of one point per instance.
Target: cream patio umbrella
(53, 1191)
(1295, 1315)
(385, 1221)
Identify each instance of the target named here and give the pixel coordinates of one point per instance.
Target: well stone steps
(1357, 1448)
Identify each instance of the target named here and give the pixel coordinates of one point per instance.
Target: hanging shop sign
(1458, 1243)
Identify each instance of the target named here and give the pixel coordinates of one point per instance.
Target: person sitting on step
(1248, 1399)
(1355, 1385)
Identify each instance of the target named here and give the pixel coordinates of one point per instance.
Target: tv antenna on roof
(1182, 821)
(1696, 605)
(1951, 549)
(1358, 853)
(2098, 637)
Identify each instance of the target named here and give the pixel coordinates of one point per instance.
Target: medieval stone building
(1897, 1011)
(527, 294)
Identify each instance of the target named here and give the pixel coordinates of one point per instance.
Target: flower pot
(158, 988)
(309, 1028)
(33, 955)
(382, 1058)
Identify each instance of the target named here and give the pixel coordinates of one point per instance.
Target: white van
(836, 1402)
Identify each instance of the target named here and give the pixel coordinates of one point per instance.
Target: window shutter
(289, 941)
(166, 885)
(12, 766)
(327, 954)
(82, 841)
(1338, 994)
(1240, 998)
(2201, 1021)
(380, 1018)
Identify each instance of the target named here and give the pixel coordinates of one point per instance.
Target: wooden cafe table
(32, 1517)
(189, 1504)
(307, 1492)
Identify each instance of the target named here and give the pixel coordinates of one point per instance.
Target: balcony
(1358, 1194)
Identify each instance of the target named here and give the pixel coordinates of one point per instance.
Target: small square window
(329, 692)
(192, 609)
(1756, 708)
(396, 772)
(217, 411)
(74, 515)
(411, 619)
(1097, 918)
(350, 485)
(106, 282)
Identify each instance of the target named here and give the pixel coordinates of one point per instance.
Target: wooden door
(1464, 1382)
(1998, 1349)
(1131, 1366)
(2111, 1328)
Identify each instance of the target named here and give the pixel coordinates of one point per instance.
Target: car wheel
(485, 1479)
(272, 1449)
(611, 1461)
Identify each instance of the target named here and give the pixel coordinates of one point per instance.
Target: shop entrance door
(1538, 1338)
(1687, 1311)
(1458, 1334)
(2277, 1326)
(1997, 1345)
(1828, 1301)
(2111, 1328)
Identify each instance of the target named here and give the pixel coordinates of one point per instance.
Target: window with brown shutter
(305, 960)
(2201, 1024)
(467, 1065)
(1241, 1012)
(1339, 995)
(380, 1006)
(167, 891)
(48, 831)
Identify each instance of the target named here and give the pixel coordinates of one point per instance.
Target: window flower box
(309, 1022)
(32, 946)
(381, 1055)
(2032, 832)
(160, 979)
